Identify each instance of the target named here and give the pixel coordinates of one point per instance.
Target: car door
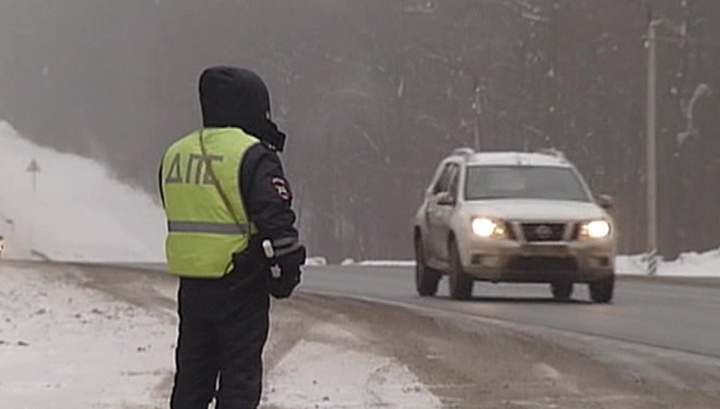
(439, 211)
(445, 212)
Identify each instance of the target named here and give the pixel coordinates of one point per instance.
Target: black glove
(285, 273)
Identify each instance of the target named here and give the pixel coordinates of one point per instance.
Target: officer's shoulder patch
(281, 187)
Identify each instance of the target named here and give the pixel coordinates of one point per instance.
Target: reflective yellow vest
(202, 233)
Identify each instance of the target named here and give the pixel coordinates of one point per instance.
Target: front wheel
(426, 280)
(460, 284)
(602, 291)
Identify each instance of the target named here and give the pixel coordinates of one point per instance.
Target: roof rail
(463, 152)
(552, 152)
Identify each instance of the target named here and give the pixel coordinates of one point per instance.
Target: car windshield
(523, 182)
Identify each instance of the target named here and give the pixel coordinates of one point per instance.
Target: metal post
(476, 109)
(34, 169)
(33, 207)
(652, 238)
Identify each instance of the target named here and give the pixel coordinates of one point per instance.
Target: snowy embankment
(74, 211)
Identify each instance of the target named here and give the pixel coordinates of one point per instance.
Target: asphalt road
(681, 317)
(676, 314)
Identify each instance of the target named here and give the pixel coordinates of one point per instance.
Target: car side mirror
(446, 199)
(605, 201)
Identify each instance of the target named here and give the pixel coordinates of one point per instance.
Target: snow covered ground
(67, 345)
(319, 375)
(62, 346)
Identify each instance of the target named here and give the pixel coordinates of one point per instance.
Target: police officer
(231, 239)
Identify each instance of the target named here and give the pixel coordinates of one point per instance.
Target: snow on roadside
(62, 345)
(686, 265)
(316, 261)
(77, 213)
(316, 375)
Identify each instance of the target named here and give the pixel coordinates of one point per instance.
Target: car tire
(426, 279)
(459, 283)
(602, 291)
(562, 290)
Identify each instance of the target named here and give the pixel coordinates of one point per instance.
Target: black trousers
(222, 333)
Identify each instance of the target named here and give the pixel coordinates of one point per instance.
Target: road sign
(33, 167)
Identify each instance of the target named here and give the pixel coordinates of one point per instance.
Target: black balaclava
(237, 97)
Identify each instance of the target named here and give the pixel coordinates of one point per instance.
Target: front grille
(543, 264)
(541, 232)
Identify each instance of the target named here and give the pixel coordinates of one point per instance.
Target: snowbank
(316, 261)
(686, 265)
(77, 211)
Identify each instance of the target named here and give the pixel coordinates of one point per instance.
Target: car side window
(443, 182)
(454, 180)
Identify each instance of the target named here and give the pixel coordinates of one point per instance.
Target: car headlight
(488, 228)
(596, 229)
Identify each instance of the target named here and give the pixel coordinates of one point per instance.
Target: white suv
(513, 217)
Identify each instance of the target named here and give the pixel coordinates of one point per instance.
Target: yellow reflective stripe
(205, 227)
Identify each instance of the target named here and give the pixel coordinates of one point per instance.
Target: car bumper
(512, 261)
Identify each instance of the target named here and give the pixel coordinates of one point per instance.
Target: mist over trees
(374, 93)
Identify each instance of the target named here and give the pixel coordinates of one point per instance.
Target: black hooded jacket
(234, 97)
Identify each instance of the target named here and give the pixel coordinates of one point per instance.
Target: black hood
(237, 97)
